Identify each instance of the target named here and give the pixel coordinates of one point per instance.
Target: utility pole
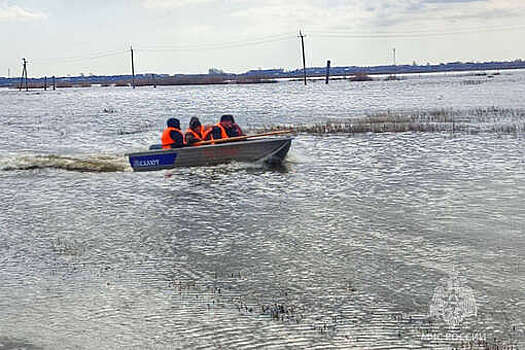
(132, 68)
(304, 58)
(394, 50)
(24, 74)
(25, 70)
(8, 72)
(327, 71)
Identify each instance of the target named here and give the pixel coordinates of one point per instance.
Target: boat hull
(269, 150)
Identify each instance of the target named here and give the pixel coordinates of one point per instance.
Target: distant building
(215, 71)
(265, 72)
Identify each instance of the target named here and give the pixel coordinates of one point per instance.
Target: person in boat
(224, 129)
(195, 133)
(172, 137)
(236, 126)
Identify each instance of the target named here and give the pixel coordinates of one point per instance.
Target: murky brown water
(344, 247)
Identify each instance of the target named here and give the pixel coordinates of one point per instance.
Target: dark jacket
(231, 132)
(178, 137)
(195, 126)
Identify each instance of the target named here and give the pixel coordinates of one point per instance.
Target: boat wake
(92, 163)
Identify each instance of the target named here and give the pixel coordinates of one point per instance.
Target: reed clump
(360, 77)
(472, 121)
(194, 80)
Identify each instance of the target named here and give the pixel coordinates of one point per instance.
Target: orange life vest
(224, 134)
(199, 136)
(208, 134)
(166, 139)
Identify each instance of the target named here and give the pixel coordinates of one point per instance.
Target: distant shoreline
(352, 73)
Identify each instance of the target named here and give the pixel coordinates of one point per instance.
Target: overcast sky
(61, 37)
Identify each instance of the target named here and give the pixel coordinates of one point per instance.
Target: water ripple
(341, 248)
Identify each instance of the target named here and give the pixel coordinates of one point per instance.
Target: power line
(407, 34)
(411, 34)
(263, 40)
(419, 31)
(74, 59)
(226, 43)
(190, 48)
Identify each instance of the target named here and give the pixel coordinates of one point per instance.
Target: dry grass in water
(498, 120)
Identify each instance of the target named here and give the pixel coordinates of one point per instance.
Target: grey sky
(61, 37)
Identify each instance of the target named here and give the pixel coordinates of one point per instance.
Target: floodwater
(345, 246)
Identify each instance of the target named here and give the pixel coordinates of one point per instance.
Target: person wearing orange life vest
(224, 129)
(195, 133)
(172, 137)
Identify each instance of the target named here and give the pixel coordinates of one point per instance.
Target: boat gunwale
(222, 144)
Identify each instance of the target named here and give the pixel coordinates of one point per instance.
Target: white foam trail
(84, 163)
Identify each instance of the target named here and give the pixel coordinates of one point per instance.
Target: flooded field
(407, 232)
